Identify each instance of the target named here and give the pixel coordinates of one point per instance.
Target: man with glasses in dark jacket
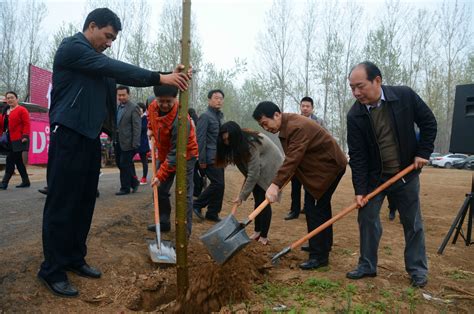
(382, 141)
(83, 104)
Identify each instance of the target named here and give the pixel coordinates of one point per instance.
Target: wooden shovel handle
(353, 206)
(264, 204)
(155, 189)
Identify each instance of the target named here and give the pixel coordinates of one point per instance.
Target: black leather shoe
(44, 190)
(198, 212)
(23, 185)
(305, 248)
(418, 281)
(314, 263)
(291, 215)
(85, 271)
(3, 186)
(122, 192)
(357, 274)
(213, 218)
(60, 288)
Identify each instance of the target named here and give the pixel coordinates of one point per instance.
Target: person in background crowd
(144, 145)
(199, 174)
(258, 159)
(127, 140)
(15, 137)
(207, 132)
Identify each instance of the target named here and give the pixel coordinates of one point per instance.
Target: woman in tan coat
(258, 159)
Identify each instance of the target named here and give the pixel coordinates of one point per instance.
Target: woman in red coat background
(15, 124)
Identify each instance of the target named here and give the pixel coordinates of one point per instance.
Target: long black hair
(238, 150)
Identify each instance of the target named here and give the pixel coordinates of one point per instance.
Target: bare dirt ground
(248, 282)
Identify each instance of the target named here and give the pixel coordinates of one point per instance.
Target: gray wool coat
(265, 160)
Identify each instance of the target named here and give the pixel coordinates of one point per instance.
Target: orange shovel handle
(353, 206)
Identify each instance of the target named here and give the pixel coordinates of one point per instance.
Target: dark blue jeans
(405, 197)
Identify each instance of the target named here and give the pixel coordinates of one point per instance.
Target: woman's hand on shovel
(237, 201)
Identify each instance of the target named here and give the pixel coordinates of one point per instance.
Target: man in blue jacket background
(83, 104)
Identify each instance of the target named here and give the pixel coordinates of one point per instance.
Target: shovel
(160, 251)
(228, 236)
(341, 214)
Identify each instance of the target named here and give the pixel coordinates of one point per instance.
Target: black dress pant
(318, 212)
(213, 195)
(296, 197)
(124, 161)
(262, 221)
(15, 159)
(73, 176)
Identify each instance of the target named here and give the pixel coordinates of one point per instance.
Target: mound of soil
(212, 286)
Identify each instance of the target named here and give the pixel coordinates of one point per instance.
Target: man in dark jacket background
(127, 141)
(207, 132)
(382, 141)
(83, 103)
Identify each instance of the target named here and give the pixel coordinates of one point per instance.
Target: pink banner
(40, 86)
(39, 143)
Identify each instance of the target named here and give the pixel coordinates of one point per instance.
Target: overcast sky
(227, 28)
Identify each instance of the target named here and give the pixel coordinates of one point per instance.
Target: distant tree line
(303, 50)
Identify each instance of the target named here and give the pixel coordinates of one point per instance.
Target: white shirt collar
(382, 98)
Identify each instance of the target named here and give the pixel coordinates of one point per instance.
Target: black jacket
(406, 108)
(208, 126)
(83, 95)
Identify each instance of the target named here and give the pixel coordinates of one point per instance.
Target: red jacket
(18, 124)
(165, 132)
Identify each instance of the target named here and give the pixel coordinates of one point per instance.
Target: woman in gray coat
(258, 159)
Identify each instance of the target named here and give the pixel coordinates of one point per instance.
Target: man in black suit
(83, 104)
(127, 141)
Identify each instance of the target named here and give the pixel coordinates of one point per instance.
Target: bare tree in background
(165, 48)
(455, 36)
(65, 30)
(308, 32)
(20, 42)
(34, 13)
(352, 14)
(329, 57)
(383, 43)
(275, 50)
(127, 12)
(137, 50)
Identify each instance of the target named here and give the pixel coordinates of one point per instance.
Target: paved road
(21, 210)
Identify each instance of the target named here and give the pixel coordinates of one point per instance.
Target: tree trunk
(181, 184)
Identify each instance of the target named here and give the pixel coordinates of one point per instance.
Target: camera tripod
(466, 209)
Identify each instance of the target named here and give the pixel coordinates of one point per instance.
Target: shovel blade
(163, 254)
(225, 239)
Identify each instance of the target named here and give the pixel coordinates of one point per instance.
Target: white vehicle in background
(447, 161)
